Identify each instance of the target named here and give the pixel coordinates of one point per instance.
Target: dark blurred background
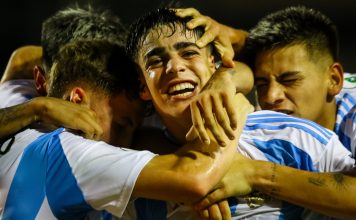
(21, 19)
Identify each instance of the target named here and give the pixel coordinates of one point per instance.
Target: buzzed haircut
(290, 26)
(100, 65)
(77, 23)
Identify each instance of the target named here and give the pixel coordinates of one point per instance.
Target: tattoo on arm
(337, 179)
(9, 114)
(317, 181)
(274, 191)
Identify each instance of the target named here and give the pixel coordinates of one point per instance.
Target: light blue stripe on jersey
(344, 113)
(63, 194)
(344, 138)
(44, 171)
(278, 117)
(27, 190)
(279, 127)
(285, 153)
(344, 104)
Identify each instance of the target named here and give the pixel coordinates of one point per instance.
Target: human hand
(226, 40)
(73, 116)
(219, 210)
(238, 181)
(216, 105)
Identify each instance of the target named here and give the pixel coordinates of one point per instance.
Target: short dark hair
(79, 24)
(293, 25)
(153, 20)
(100, 65)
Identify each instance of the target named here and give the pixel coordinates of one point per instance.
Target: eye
(154, 62)
(260, 83)
(289, 81)
(189, 53)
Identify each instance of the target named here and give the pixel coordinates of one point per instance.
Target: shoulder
(15, 92)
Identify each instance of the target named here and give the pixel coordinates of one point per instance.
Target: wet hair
(291, 26)
(154, 20)
(98, 65)
(79, 24)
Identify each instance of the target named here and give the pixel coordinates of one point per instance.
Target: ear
(40, 80)
(211, 63)
(336, 79)
(79, 96)
(145, 93)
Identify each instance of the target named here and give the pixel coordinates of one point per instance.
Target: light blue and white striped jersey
(14, 92)
(268, 136)
(59, 175)
(345, 118)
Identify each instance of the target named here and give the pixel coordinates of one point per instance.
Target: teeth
(183, 94)
(181, 86)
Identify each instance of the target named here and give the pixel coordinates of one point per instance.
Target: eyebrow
(177, 46)
(182, 45)
(153, 52)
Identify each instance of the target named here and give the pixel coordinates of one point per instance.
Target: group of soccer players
(211, 156)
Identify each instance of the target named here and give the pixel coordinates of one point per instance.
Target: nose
(175, 64)
(274, 95)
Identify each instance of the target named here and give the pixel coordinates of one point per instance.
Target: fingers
(198, 123)
(209, 112)
(213, 112)
(230, 107)
(220, 210)
(90, 127)
(204, 214)
(210, 120)
(224, 209)
(226, 52)
(73, 116)
(192, 134)
(210, 199)
(185, 12)
(214, 212)
(222, 117)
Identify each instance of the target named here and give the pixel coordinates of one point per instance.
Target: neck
(328, 118)
(178, 127)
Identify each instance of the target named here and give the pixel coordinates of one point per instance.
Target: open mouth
(181, 90)
(288, 112)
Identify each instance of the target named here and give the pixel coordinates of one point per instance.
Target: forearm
(328, 193)
(241, 75)
(237, 38)
(13, 119)
(185, 176)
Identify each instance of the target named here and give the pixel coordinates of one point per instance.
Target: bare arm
(49, 110)
(329, 193)
(21, 63)
(190, 173)
(332, 194)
